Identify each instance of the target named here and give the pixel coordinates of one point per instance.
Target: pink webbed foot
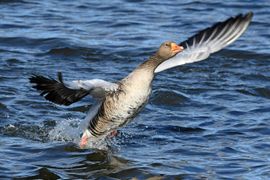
(113, 134)
(84, 140)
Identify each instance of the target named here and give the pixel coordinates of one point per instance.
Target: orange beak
(175, 48)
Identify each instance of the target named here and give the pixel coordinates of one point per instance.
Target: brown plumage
(133, 92)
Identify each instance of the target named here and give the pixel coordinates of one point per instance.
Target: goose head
(168, 49)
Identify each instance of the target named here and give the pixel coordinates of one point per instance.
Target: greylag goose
(120, 102)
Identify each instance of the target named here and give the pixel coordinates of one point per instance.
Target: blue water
(207, 120)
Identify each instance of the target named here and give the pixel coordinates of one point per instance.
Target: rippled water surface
(204, 120)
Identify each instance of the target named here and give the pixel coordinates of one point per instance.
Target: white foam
(67, 130)
(70, 130)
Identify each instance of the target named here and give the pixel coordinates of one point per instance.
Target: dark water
(208, 120)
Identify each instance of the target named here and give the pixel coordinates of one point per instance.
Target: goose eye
(167, 44)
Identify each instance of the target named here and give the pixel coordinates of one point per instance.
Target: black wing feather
(56, 91)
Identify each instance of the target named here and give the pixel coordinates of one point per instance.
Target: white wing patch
(92, 84)
(97, 87)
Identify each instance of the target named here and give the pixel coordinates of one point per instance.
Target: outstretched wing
(208, 41)
(67, 93)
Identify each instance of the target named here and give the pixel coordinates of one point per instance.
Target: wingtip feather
(209, 40)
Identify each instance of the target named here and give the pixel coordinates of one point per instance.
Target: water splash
(70, 130)
(66, 130)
